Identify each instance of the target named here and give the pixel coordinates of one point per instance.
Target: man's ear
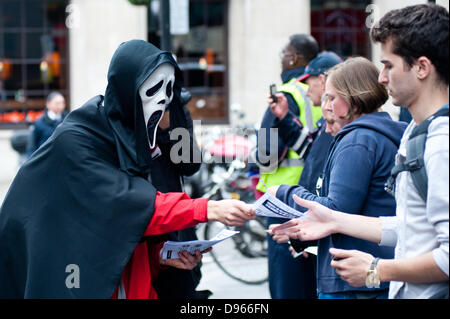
(322, 80)
(300, 60)
(423, 67)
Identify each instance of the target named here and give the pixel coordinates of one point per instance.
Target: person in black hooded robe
(167, 176)
(75, 221)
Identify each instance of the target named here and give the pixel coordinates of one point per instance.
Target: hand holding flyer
(171, 249)
(270, 206)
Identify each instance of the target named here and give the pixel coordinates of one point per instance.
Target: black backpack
(415, 163)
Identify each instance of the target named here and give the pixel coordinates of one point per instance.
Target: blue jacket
(43, 129)
(315, 158)
(358, 164)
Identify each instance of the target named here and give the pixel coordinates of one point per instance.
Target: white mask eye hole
(169, 90)
(152, 91)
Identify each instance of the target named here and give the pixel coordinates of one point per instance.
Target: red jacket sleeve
(175, 211)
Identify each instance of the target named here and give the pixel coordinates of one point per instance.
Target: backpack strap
(415, 163)
(415, 149)
(397, 169)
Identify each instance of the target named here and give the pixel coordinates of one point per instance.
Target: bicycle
(223, 174)
(243, 256)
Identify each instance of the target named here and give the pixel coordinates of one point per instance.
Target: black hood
(132, 63)
(83, 198)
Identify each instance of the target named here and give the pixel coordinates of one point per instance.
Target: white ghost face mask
(156, 94)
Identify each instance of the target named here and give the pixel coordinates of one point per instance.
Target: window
(33, 57)
(340, 26)
(202, 57)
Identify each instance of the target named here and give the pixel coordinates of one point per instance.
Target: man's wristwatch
(372, 279)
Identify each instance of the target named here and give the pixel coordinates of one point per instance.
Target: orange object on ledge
(14, 117)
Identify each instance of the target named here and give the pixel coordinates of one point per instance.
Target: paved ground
(222, 286)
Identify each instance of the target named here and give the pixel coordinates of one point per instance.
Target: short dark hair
(420, 30)
(305, 45)
(52, 95)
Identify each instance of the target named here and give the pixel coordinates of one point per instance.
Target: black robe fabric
(173, 283)
(83, 200)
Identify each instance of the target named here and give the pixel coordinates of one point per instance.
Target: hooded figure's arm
(176, 211)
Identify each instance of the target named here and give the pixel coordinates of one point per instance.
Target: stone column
(96, 28)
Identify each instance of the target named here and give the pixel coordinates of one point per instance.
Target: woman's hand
(279, 238)
(318, 223)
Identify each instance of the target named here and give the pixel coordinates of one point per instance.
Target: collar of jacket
(287, 75)
(47, 120)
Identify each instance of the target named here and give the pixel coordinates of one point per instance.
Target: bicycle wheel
(243, 257)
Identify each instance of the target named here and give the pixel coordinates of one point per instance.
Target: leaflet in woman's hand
(270, 206)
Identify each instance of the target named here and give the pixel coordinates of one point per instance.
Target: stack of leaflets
(171, 249)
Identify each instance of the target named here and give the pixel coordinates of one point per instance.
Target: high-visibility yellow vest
(291, 167)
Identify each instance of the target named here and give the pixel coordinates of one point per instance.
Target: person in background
(316, 152)
(290, 130)
(54, 114)
(176, 283)
(276, 163)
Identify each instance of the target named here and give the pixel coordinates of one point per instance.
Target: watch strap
(372, 279)
(374, 263)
